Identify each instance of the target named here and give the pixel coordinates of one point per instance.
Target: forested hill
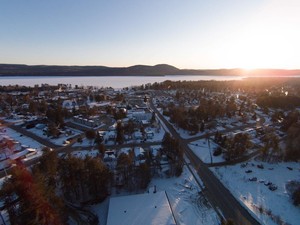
(138, 70)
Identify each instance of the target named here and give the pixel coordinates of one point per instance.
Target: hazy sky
(185, 33)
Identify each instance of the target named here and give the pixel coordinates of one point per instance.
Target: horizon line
(220, 68)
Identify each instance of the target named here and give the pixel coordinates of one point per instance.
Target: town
(197, 152)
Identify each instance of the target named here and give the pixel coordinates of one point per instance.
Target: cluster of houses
(12, 151)
(88, 109)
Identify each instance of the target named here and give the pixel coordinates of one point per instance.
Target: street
(215, 191)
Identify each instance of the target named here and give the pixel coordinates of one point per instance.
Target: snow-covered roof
(155, 150)
(124, 150)
(22, 153)
(145, 209)
(138, 151)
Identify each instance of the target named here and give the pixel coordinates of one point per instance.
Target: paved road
(65, 149)
(218, 195)
(215, 191)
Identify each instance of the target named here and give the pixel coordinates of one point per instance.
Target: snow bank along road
(218, 195)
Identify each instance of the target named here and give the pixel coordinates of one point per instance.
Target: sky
(193, 34)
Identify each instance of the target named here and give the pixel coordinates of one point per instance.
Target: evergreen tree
(98, 178)
(120, 133)
(90, 135)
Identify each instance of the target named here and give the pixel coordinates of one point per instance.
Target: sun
(268, 40)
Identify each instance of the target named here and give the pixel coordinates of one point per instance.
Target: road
(215, 191)
(63, 149)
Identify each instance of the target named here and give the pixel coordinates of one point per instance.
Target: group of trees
(133, 176)
(31, 197)
(234, 146)
(194, 119)
(249, 85)
(296, 196)
(172, 149)
(270, 149)
(38, 196)
(278, 101)
(293, 142)
(83, 179)
(56, 116)
(237, 145)
(289, 125)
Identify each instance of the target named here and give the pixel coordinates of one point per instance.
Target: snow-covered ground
(187, 202)
(85, 143)
(24, 140)
(58, 141)
(186, 134)
(267, 205)
(204, 152)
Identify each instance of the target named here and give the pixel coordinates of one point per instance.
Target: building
(146, 209)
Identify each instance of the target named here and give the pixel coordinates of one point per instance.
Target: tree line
(41, 195)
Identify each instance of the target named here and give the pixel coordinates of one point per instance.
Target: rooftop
(147, 209)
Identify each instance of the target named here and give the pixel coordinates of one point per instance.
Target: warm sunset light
(142, 112)
(267, 39)
(194, 34)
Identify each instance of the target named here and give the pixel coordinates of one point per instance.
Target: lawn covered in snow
(59, 140)
(24, 140)
(204, 151)
(269, 206)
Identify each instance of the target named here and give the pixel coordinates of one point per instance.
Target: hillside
(137, 70)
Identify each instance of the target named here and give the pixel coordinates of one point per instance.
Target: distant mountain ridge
(137, 70)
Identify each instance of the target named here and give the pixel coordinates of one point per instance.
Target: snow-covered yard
(204, 151)
(24, 140)
(58, 141)
(251, 182)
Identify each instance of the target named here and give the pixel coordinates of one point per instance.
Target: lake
(113, 81)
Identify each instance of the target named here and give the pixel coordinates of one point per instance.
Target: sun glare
(268, 40)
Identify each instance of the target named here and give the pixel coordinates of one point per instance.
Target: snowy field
(188, 205)
(58, 141)
(204, 152)
(269, 206)
(24, 140)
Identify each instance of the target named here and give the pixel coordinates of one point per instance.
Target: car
(260, 166)
(253, 179)
(66, 142)
(268, 183)
(273, 187)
